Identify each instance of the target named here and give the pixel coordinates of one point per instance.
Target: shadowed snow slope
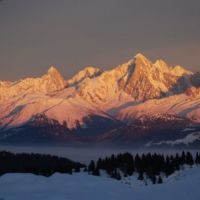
(183, 185)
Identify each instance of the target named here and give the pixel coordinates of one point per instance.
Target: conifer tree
(153, 179)
(183, 158)
(96, 172)
(141, 176)
(91, 166)
(197, 159)
(77, 169)
(189, 159)
(160, 181)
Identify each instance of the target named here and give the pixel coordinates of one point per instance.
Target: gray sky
(71, 34)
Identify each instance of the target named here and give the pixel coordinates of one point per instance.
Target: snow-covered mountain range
(137, 99)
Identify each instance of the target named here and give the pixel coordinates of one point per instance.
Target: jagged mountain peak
(140, 59)
(161, 64)
(87, 72)
(127, 91)
(146, 65)
(140, 56)
(91, 69)
(52, 81)
(139, 77)
(48, 83)
(147, 80)
(142, 62)
(180, 71)
(53, 73)
(52, 69)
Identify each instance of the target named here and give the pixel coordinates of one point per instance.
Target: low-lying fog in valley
(86, 154)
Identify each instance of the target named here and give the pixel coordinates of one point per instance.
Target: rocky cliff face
(50, 82)
(139, 78)
(88, 72)
(147, 80)
(136, 90)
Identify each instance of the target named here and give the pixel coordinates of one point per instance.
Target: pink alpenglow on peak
(120, 93)
(87, 72)
(53, 81)
(50, 82)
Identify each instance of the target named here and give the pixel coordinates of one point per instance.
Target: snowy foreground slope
(182, 185)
